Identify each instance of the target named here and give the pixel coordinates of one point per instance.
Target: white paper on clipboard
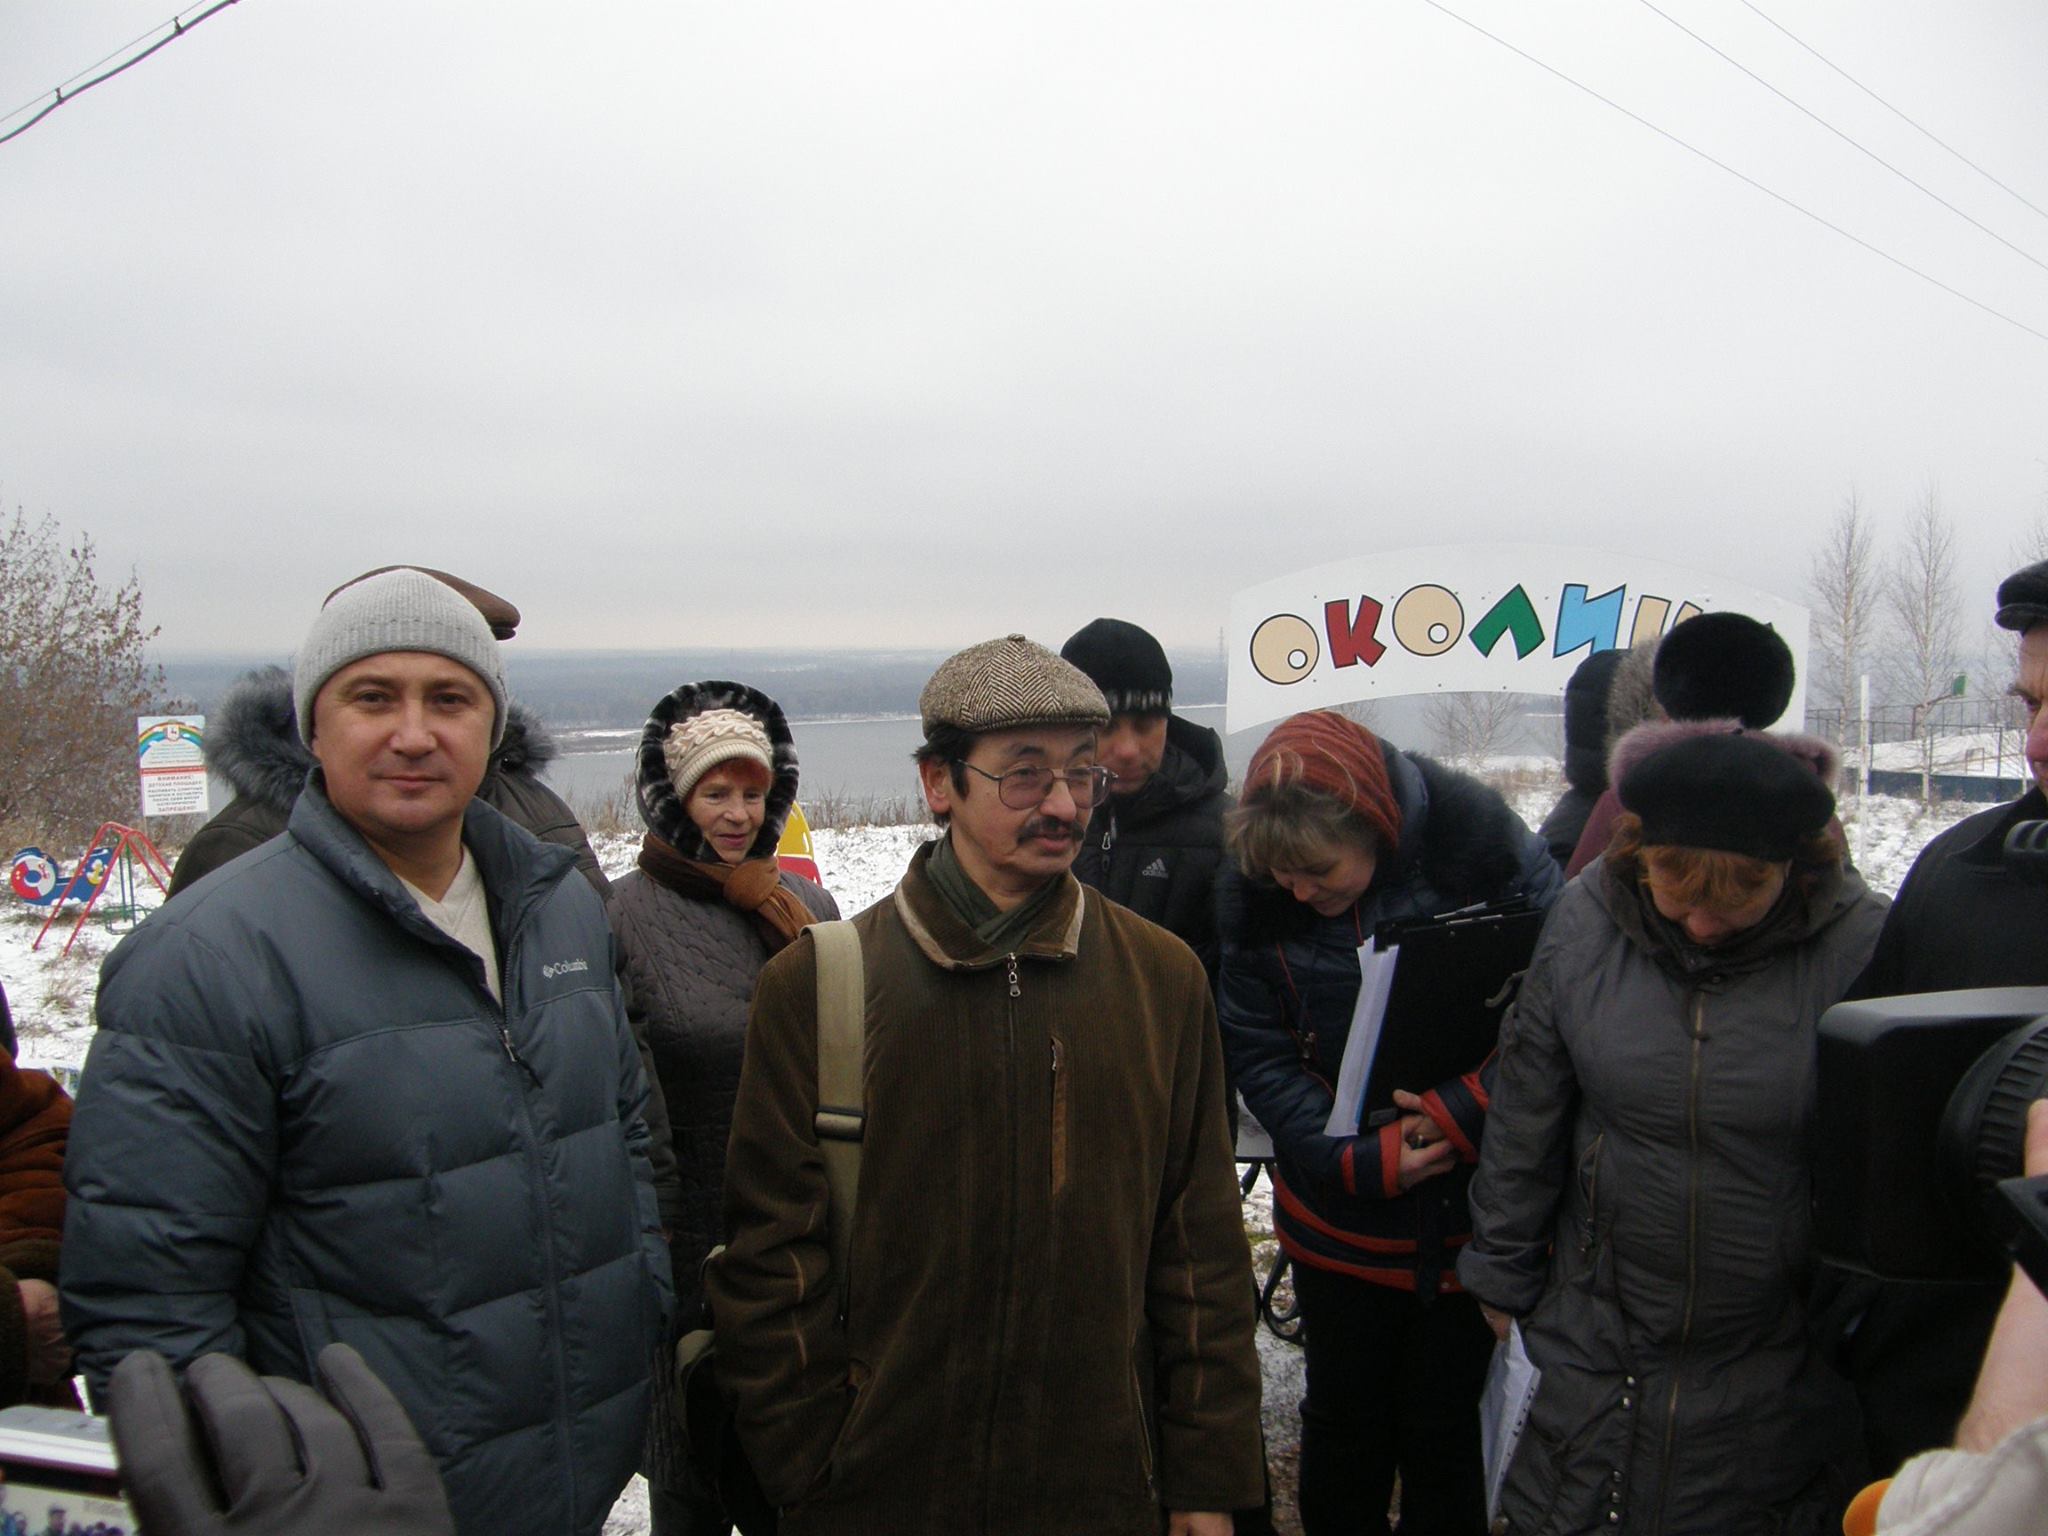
(1375, 985)
(1511, 1382)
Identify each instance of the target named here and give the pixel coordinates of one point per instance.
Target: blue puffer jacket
(304, 1120)
(1288, 987)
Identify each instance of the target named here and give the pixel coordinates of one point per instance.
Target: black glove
(263, 1456)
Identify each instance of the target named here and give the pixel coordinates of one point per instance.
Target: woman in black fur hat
(1641, 1204)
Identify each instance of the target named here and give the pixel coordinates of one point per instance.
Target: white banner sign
(1464, 618)
(172, 752)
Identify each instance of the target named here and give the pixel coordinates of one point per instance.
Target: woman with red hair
(1642, 1200)
(1335, 833)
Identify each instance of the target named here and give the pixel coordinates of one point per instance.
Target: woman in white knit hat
(696, 921)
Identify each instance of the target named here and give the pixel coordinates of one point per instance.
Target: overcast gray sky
(911, 323)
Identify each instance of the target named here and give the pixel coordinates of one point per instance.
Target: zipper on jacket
(993, 1433)
(536, 1164)
(512, 1052)
(1697, 1028)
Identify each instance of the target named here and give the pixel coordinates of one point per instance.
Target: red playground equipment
(128, 847)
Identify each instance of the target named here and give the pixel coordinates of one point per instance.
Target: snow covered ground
(51, 996)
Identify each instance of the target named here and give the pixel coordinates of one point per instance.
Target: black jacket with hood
(252, 741)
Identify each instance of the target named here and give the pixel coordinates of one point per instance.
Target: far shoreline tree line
(75, 668)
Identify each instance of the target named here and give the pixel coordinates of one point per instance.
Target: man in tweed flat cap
(371, 1083)
(1046, 1326)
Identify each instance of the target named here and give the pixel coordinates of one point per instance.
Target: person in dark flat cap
(1641, 1207)
(1048, 1321)
(1713, 666)
(252, 741)
(1964, 917)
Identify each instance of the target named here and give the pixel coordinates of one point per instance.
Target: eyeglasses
(1025, 789)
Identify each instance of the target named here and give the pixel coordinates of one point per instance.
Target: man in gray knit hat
(1047, 1324)
(371, 1083)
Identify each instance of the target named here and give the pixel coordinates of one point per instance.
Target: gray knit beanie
(396, 610)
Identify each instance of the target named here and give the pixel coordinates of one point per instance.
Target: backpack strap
(842, 1118)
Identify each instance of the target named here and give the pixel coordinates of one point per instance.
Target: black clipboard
(1444, 1009)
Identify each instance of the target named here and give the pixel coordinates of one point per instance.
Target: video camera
(1921, 1122)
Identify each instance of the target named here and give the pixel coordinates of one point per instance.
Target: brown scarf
(755, 887)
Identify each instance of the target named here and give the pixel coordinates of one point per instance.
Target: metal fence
(1977, 745)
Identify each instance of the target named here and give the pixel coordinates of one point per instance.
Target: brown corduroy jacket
(1049, 1325)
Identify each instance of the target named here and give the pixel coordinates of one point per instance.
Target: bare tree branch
(1844, 577)
(1924, 604)
(73, 677)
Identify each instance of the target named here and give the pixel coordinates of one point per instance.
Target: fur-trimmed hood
(661, 808)
(1630, 702)
(252, 740)
(1814, 751)
(1459, 839)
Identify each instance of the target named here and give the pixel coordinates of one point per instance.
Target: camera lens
(1983, 1130)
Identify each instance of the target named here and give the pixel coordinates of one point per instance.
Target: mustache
(1048, 826)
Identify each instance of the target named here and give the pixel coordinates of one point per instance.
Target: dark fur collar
(252, 740)
(661, 808)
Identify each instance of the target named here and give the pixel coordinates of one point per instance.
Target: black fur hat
(1729, 790)
(1718, 665)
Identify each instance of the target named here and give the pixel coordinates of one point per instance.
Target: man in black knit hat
(1156, 844)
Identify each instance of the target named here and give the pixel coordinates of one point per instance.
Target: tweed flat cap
(1002, 685)
(2023, 598)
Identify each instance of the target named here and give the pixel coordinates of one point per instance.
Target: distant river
(857, 759)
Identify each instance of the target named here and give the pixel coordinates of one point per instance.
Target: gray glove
(263, 1456)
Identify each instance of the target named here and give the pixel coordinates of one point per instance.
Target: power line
(1654, 9)
(178, 25)
(1901, 116)
(1747, 180)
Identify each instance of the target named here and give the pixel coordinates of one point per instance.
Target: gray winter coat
(304, 1120)
(1651, 1111)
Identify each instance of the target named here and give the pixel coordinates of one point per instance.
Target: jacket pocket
(1589, 1193)
(1141, 1415)
(859, 1390)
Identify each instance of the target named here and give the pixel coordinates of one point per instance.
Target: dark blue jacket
(1288, 987)
(304, 1120)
